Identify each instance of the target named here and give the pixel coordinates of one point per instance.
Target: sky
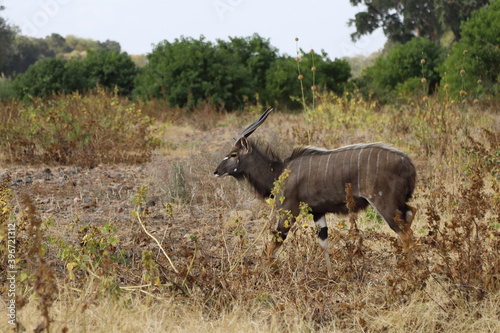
(140, 24)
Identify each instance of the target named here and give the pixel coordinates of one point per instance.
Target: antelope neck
(262, 172)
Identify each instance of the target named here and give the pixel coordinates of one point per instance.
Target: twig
(135, 287)
(250, 246)
(191, 264)
(157, 242)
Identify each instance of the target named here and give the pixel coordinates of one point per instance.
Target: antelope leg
(406, 234)
(410, 215)
(323, 242)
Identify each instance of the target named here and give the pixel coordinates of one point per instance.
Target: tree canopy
(404, 19)
(474, 63)
(7, 35)
(25, 51)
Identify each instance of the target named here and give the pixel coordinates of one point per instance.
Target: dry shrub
(329, 124)
(467, 246)
(160, 110)
(80, 129)
(206, 116)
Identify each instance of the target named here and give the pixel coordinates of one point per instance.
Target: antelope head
(234, 162)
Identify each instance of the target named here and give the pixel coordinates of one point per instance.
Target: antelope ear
(246, 145)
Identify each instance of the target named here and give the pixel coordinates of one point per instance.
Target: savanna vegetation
(119, 225)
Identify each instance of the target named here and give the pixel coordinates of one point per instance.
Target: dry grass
(214, 231)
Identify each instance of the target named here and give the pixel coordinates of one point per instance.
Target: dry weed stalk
(157, 242)
(356, 236)
(45, 284)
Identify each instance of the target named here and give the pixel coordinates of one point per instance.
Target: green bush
(476, 56)
(47, 76)
(283, 84)
(108, 69)
(404, 63)
(188, 71)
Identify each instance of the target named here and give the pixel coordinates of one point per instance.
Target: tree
(282, 82)
(257, 55)
(178, 69)
(81, 44)
(477, 55)
(7, 35)
(404, 19)
(453, 13)
(109, 45)
(27, 51)
(57, 44)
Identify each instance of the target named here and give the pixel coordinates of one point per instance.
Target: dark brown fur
(379, 175)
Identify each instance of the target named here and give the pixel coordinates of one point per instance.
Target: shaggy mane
(265, 148)
(309, 150)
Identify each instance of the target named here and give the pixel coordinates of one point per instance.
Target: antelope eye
(233, 155)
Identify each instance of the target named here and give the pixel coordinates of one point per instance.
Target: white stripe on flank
(319, 163)
(309, 175)
(376, 171)
(359, 189)
(368, 167)
(333, 179)
(298, 171)
(343, 160)
(326, 168)
(350, 168)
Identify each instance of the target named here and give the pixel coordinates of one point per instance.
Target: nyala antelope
(379, 175)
